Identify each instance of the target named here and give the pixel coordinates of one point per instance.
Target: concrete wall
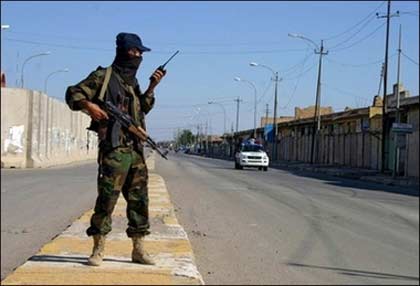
(39, 131)
(413, 144)
(358, 149)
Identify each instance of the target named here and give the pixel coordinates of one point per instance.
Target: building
(270, 120)
(402, 150)
(310, 111)
(351, 138)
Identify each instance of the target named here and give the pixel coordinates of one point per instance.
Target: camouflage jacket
(117, 91)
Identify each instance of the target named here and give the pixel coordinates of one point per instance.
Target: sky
(217, 41)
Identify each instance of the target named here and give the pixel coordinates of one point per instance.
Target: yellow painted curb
(63, 260)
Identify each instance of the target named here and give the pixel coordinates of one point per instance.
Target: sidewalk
(63, 261)
(351, 173)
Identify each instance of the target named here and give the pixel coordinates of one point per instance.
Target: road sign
(269, 132)
(402, 128)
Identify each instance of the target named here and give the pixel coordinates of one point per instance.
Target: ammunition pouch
(99, 127)
(115, 133)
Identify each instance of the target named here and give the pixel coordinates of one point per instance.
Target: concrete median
(63, 261)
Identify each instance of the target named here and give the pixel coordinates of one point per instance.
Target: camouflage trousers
(121, 170)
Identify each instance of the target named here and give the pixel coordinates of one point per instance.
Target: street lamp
(276, 79)
(317, 115)
(255, 103)
(4, 27)
(31, 57)
(46, 80)
(299, 36)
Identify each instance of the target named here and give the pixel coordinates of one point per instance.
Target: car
(251, 154)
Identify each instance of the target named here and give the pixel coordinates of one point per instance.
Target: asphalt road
(277, 227)
(38, 204)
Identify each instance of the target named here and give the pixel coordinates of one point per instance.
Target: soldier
(122, 166)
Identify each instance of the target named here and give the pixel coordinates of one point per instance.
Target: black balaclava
(124, 64)
(127, 65)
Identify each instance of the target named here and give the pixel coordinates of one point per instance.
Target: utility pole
(277, 80)
(255, 103)
(398, 76)
(201, 136)
(385, 101)
(207, 136)
(197, 138)
(238, 100)
(397, 112)
(317, 114)
(380, 80)
(266, 113)
(274, 153)
(266, 122)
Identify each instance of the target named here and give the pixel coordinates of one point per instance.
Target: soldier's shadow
(72, 259)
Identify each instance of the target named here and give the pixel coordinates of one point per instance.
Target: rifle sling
(105, 83)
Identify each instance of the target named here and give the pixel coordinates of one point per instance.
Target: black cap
(127, 41)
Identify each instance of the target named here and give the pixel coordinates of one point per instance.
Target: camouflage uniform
(122, 166)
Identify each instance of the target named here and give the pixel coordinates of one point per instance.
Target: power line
(411, 13)
(60, 37)
(219, 45)
(222, 99)
(353, 35)
(177, 105)
(284, 75)
(358, 65)
(292, 94)
(305, 58)
(265, 91)
(302, 73)
(361, 40)
(293, 67)
(241, 52)
(270, 99)
(295, 87)
(160, 52)
(344, 92)
(172, 117)
(410, 59)
(57, 45)
(357, 24)
(253, 43)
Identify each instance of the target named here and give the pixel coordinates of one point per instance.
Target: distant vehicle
(251, 154)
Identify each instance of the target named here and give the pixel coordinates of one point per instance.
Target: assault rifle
(129, 123)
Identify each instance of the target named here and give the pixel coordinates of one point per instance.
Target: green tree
(185, 137)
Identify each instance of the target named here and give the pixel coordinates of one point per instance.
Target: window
(251, 148)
